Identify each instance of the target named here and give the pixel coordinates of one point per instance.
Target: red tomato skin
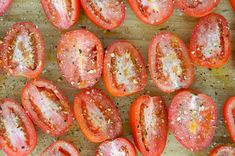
(90, 15)
(134, 7)
(33, 137)
(190, 77)
(227, 44)
(194, 13)
(60, 143)
(226, 112)
(217, 149)
(232, 4)
(170, 117)
(35, 119)
(106, 76)
(123, 141)
(61, 26)
(134, 116)
(30, 74)
(5, 6)
(83, 126)
(100, 57)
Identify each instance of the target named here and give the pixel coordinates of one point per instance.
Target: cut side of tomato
(229, 116)
(60, 148)
(170, 66)
(232, 4)
(196, 8)
(152, 12)
(23, 50)
(124, 69)
(210, 42)
(4, 5)
(149, 124)
(80, 58)
(47, 106)
(118, 147)
(192, 119)
(223, 151)
(97, 116)
(107, 14)
(17, 132)
(63, 14)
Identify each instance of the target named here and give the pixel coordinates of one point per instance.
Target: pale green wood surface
(218, 83)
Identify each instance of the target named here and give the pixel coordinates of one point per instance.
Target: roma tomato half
(229, 116)
(149, 124)
(192, 118)
(47, 106)
(233, 4)
(117, 147)
(170, 66)
(80, 58)
(106, 14)
(196, 8)
(97, 116)
(60, 148)
(63, 14)
(17, 132)
(210, 42)
(23, 50)
(124, 69)
(223, 151)
(152, 12)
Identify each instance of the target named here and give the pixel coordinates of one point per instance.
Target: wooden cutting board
(218, 83)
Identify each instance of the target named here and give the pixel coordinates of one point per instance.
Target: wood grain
(218, 83)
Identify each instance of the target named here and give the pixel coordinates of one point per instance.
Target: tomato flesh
(97, 115)
(60, 148)
(223, 151)
(23, 50)
(61, 13)
(196, 8)
(229, 116)
(152, 12)
(210, 42)
(47, 106)
(124, 69)
(17, 132)
(169, 63)
(80, 58)
(107, 14)
(192, 118)
(119, 146)
(4, 5)
(149, 124)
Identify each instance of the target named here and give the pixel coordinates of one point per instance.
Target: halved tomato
(17, 132)
(223, 151)
(149, 124)
(210, 41)
(229, 116)
(47, 106)
(23, 50)
(192, 118)
(124, 69)
(152, 12)
(80, 58)
(60, 148)
(119, 146)
(97, 115)
(106, 14)
(4, 5)
(233, 4)
(170, 66)
(196, 8)
(63, 14)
